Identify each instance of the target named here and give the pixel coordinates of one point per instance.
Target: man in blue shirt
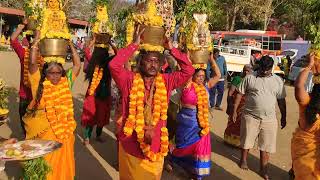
(216, 93)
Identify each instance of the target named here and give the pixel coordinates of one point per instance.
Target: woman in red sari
(232, 132)
(97, 104)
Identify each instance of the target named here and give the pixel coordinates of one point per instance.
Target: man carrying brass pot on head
(143, 137)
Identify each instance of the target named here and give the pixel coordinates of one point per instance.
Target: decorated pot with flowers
(199, 40)
(102, 27)
(54, 32)
(194, 33)
(157, 20)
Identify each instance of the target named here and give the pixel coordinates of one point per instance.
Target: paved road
(98, 160)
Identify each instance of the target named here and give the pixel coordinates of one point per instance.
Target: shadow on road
(218, 146)
(87, 166)
(14, 123)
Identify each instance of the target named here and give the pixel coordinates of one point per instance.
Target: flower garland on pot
(102, 26)
(54, 26)
(203, 108)
(157, 16)
(102, 23)
(199, 26)
(59, 108)
(194, 33)
(136, 122)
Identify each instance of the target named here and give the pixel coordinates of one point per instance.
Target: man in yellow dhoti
(143, 136)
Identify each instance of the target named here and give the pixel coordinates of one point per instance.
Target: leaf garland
(36, 169)
(4, 93)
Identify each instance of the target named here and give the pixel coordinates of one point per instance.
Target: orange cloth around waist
(305, 152)
(132, 168)
(61, 161)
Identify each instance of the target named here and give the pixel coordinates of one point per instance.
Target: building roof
(18, 12)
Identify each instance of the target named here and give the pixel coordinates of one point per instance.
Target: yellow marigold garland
(101, 45)
(102, 25)
(203, 108)
(51, 32)
(129, 29)
(57, 59)
(26, 80)
(59, 108)
(136, 122)
(150, 17)
(316, 79)
(200, 66)
(97, 76)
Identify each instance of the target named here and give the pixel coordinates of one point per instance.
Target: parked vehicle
(297, 68)
(80, 52)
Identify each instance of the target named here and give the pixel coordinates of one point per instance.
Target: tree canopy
(291, 17)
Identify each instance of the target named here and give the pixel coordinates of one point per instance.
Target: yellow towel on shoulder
(305, 150)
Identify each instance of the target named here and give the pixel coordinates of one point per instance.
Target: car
(289, 52)
(295, 70)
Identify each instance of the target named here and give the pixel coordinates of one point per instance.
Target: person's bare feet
(168, 167)
(218, 108)
(243, 165)
(264, 173)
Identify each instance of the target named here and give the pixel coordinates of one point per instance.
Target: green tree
(18, 4)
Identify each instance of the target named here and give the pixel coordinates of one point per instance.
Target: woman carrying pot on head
(97, 104)
(305, 142)
(50, 115)
(25, 95)
(193, 147)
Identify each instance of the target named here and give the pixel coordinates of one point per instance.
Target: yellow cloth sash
(305, 150)
(35, 125)
(133, 168)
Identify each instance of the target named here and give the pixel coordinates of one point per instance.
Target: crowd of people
(185, 95)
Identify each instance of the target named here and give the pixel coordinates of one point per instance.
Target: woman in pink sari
(193, 151)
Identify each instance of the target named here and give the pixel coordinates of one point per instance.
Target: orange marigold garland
(26, 80)
(59, 108)
(97, 76)
(136, 122)
(203, 108)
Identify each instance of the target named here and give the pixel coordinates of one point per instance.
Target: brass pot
(199, 57)
(102, 38)
(53, 47)
(32, 24)
(153, 35)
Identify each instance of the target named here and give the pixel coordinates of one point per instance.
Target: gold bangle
(34, 47)
(21, 26)
(308, 68)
